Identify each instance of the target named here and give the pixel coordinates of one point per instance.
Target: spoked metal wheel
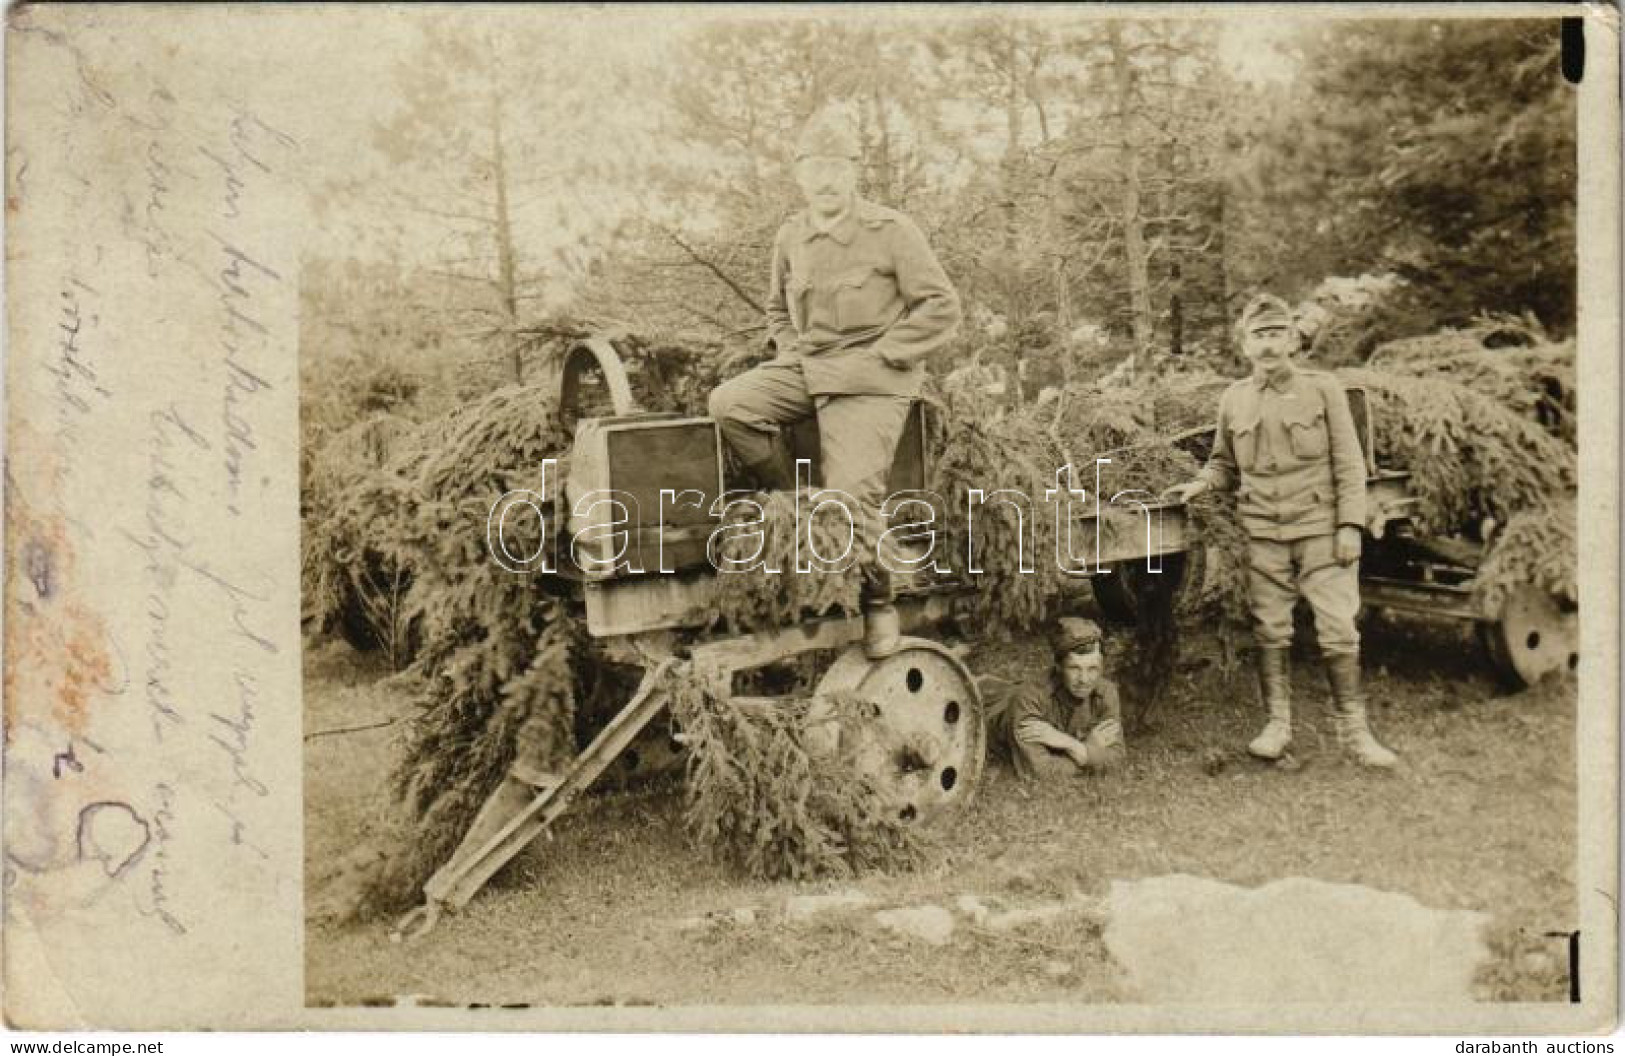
(1536, 635)
(918, 732)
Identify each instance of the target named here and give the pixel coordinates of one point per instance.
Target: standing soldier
(855, 301)
(1286, 444)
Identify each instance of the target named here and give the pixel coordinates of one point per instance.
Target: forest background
(1102, 192)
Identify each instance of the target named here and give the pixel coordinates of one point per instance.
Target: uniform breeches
(1281, 572)
(857, 437)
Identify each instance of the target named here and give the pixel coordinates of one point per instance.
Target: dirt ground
(1480, 816)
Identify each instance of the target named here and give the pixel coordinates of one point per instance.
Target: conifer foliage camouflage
(396, 525)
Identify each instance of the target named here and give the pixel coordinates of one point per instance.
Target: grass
(1480, 816)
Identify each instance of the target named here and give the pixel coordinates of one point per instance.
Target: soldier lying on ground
(1071, 721)
(1286, 444)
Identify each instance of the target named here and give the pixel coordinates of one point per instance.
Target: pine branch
(722, 276)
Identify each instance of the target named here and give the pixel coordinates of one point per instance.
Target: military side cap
(828, 133)
(1265, 312)
(1074, 634)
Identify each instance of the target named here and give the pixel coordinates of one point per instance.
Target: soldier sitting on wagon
(855, 302)
(1071, 722)
(1286, 444)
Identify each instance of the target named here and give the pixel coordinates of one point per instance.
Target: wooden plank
(828, 632)
(648, 603)
(1451, 602)
(1122, 532)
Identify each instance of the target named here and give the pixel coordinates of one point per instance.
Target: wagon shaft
(484, 852)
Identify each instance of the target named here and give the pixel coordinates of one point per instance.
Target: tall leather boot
(1343, 672)
(771, 473)
(1275, 683)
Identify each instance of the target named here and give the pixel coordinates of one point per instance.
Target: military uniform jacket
(1287, 446)
(1051, 703)
(840, 299)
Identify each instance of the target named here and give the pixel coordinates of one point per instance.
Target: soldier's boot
(1275, 683)
(771, 473)
(882, 627)
(1343, 672)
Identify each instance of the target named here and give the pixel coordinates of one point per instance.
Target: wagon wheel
(920, 735)
(1535, 635)
(1130, 589)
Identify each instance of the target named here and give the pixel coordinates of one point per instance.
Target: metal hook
(416, 923)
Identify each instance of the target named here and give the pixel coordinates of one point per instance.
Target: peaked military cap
(1265, 312)
(1074, 634)
(828, 133)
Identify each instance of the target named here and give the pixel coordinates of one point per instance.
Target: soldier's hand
(1185, 492)
(1042, 733)
(1346, 547)
(1057, 740)
(743, 356)
(1105, 744)
(1106, 734)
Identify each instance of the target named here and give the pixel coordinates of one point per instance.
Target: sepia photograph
(1036, 519)
(1194, 404)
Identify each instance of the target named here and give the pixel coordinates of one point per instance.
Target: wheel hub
(917, 730)
(1535, 636)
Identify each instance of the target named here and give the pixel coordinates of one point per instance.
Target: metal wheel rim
(1535, 635)
(926, 744)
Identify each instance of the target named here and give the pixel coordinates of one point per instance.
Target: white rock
(931, 924)
(1189, 939)
(805, 907)
(1057, 969)
(974, 908)
(743, 915)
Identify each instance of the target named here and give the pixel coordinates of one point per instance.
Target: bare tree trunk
(885, 166)
(883, 160)
(1010, 176)
(1134, 249)
(1013, 112)
(1227, 282)
(1063, 321)
(866, 169)
(1176, 313)
(507, 280)
(1035, 96)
